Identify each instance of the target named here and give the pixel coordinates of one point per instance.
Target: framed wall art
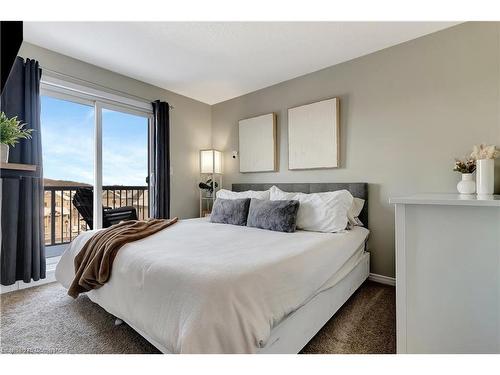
(257, 144)
(313, 135)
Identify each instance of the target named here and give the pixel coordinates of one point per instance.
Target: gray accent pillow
(279, 215)
(230, 211)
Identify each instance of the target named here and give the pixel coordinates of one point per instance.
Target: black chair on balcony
(83, 200)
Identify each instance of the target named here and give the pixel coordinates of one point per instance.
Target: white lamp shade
(210, 161)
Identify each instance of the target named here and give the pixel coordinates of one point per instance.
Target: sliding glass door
(125, 161)
(95, 160)
(68, 165)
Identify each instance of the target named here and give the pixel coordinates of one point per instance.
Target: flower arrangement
(483, 151)
(468, 165)
(12, 130)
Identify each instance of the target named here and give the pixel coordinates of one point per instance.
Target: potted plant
(12, 131)
(485, 156)
(466, 167)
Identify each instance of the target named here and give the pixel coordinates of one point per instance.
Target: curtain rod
(100, 87)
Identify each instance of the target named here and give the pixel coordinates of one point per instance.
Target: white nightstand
(447, 274)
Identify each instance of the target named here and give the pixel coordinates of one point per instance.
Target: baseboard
(9, 288)
(50, 277)
(381, 279)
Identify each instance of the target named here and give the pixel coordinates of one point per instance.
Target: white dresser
(447, 274)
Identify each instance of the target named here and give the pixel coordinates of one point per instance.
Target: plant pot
(485, 176)
(467, 185)
(4, 157)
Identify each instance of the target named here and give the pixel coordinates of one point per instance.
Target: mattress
(200, 287)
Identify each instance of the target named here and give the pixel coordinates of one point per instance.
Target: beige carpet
(45, 320)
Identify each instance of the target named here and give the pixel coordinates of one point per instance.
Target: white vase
(467, 185)
(485, 176)
(4, 151)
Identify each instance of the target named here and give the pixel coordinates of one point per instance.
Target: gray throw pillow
(230, 211)
(280, 216)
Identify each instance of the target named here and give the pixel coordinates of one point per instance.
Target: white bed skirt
(293, 333)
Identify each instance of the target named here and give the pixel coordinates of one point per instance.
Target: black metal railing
(63, 222)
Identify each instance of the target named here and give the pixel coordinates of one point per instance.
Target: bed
(201, 287)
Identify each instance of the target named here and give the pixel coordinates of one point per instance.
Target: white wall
(190, 121)
(406, 112)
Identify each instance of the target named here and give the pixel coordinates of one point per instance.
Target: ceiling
(216, 61)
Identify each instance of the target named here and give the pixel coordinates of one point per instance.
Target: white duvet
(200, 287)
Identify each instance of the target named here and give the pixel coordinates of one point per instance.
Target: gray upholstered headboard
(357, 189)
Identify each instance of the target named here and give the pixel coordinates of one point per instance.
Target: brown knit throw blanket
(94, 262)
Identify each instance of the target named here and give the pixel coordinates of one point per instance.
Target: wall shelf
(207, 201)
(17, 170)
(18, 167)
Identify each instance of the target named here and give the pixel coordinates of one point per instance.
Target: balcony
(62, 221)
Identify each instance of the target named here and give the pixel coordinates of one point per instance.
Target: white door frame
(97, 219)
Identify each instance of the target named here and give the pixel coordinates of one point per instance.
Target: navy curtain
(23, 252)
(160, 181)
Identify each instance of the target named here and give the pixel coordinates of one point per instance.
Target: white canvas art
(313, 135)
(257, 144)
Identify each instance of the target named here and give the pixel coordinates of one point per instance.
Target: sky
(67, 144)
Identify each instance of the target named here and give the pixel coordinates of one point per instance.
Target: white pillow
(354, 211)
(228, 194)
(319, 212)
